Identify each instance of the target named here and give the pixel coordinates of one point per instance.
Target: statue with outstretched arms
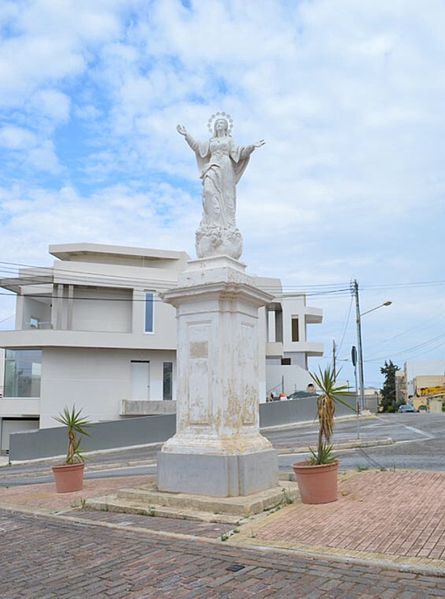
(221, 164)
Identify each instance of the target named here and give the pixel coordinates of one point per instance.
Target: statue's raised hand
(258, 144)
(181, 130)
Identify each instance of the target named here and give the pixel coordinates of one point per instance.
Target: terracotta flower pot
(69, 477)
(317, 483)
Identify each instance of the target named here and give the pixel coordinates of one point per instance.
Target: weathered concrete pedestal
(218, 449)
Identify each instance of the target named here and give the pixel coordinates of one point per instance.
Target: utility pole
(334, 359)
(357, 400)
(359, 344)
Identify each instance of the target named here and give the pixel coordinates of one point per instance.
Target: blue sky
(348, 95)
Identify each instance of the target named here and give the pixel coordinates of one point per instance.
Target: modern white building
(288, 348)
(92, 330)
(2, 370)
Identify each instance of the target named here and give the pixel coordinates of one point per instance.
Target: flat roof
(68, 251)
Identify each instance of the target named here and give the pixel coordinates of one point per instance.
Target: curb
(303, 423)
(396, 564)
(340, 446)
(388, 564)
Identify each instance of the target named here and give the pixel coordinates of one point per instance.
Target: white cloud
(28, 148)
(53, 104)
(36, 217)
(16, 138)
(348, 95)
(49, 41)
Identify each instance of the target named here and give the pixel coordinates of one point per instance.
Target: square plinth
(217, 475)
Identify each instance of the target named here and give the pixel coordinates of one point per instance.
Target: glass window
(295, 334)
(167, 385)
(149, 302)
(22, 372)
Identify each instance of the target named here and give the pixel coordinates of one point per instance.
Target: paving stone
(37, 556)
(367, 518)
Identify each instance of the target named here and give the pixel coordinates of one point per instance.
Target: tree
(389, 400)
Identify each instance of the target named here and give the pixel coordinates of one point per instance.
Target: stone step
(244, 506)
(112, 503)
(148, 501)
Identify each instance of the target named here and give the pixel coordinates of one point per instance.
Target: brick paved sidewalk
(43, 557)
(43, 497)
(398, 516)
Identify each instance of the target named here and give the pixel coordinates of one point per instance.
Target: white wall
(107, 310)
(262, 338)
(293, 307)
(164, 319)
(2, 370)
(95, 380)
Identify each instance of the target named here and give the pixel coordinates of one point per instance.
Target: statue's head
(221, 125)
(220, 122)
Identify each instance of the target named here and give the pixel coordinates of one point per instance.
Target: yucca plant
(75, 425)
(330, 394)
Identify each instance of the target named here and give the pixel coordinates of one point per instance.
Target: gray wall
(50, 442)
(149, 429)
(275, 413)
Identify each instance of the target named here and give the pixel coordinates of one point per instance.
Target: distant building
(92, 330)
(422, 368)
(425, 382)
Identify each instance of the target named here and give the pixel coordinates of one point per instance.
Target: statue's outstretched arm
(188, 138)
(246, 151)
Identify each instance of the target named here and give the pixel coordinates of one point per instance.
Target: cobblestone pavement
(170, 525)
(44, 557)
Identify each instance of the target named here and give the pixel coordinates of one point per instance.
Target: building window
(285, 362)
(295, 335)
(167, 384)
(149, 303)
(22, 372)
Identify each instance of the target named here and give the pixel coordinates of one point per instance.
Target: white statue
(221, 163)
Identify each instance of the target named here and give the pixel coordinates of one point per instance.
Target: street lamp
(387, 303)
(359, 339)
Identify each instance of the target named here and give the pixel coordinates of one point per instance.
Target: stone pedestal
(218, 449)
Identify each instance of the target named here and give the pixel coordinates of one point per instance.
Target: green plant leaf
(331, 393)
(75, 425)
(323, 455)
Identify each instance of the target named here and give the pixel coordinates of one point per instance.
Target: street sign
(354, 355)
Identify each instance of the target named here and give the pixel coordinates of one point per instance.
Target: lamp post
(358, 317)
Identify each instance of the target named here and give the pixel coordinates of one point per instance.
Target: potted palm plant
(69, 476)
(317, 477)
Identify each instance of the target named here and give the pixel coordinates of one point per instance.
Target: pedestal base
(217, 475)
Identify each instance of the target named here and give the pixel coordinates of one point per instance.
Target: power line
(404, 285)
(307, 286)
(12, 267)
(346, 325)
(422, 325)
(82, 278)
(101, 298)
(409, 349)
